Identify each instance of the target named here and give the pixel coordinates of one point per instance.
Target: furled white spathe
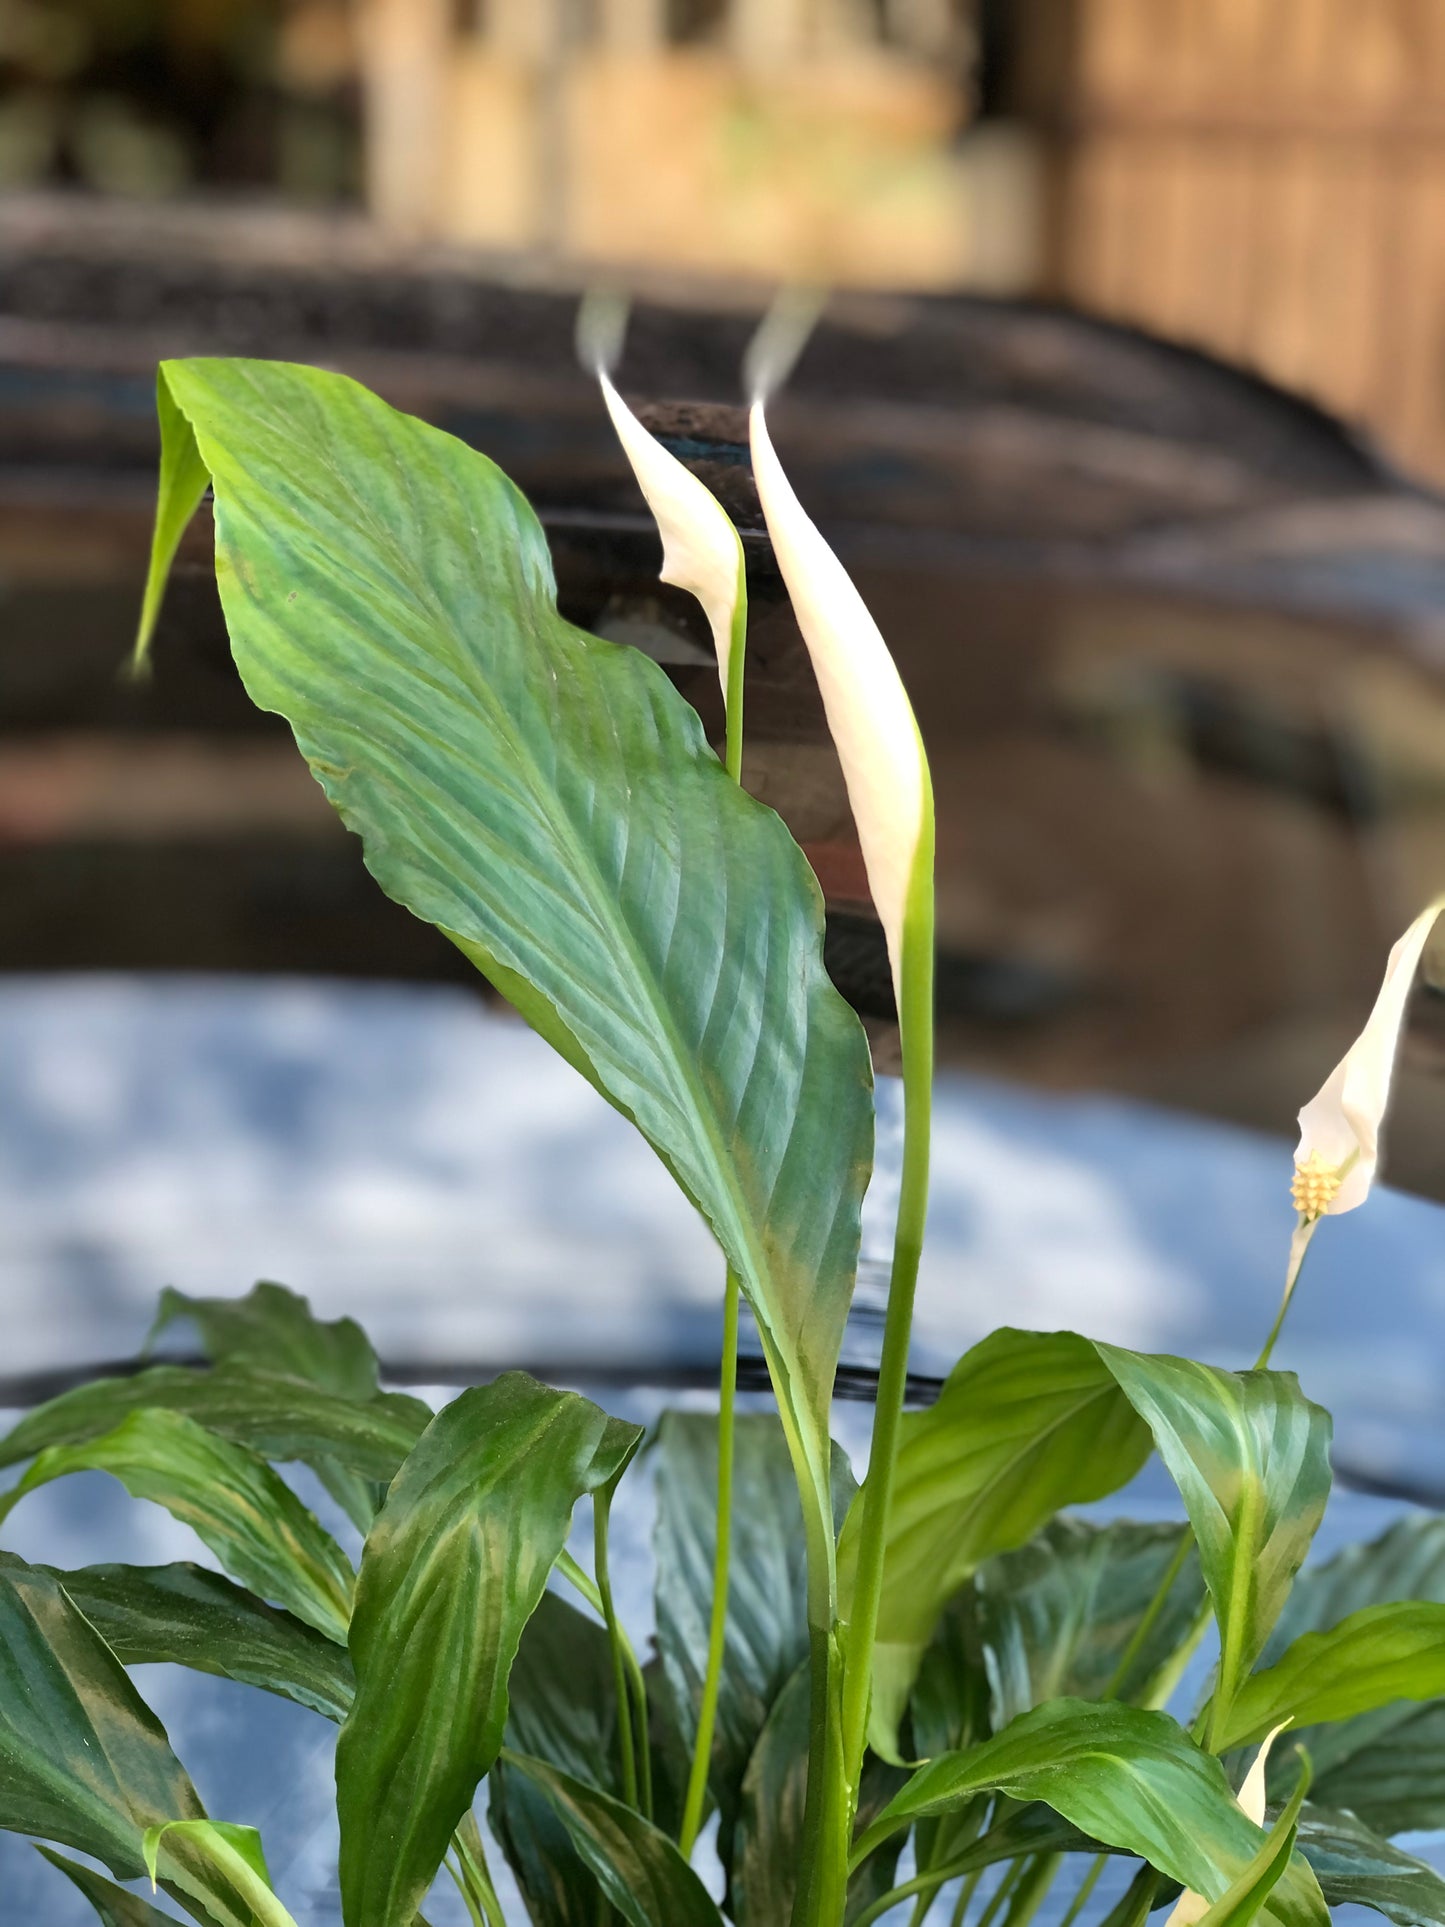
(701, 551)
(1192, 1907)
(1339, 1146)
(869, 715)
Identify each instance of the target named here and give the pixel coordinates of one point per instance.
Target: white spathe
(1340, 1126)
(1192, 1907)
(869, 714)
(701, 550)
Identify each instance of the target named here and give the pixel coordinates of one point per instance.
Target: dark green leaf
(453, 1569)
(1406, 1562)
(549, 802)
(564, 1712)
(767, 1623)
(950, 1705)
(191, 1617)
(1356, 1866)
(233, 1501)
(767, 1842)
(280, 1418)
(1027, 1422)
(638, 1868)
(83, 1760)
(1245, 1898)
(113, 1904)
(1250, 1456)
(1130, 1778)
(273, 1330)
(1057, 1617)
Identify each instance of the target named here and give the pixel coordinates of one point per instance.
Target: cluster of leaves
(551, 804)
(1036, 1649)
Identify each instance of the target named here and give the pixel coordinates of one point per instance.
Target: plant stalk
(601, 1509)
(1085, 1888)
(717, 1631)
(583, 1584)
(915, 1023)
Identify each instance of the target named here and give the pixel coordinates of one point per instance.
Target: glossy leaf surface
(1057, 1617)
(1354, 1865)
(637, 1868)
(1130, 1778)
(453, 1569)
(550, 803)
(83, 1760)
(1027, 1422)
(231, 1499)
(1250, 1456)
(187, 1616)
(279, 1417)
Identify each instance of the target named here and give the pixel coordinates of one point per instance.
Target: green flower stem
(1086, 1888)
(696, 1796)
(583, 1584)
(1002, 1893)
(601, 1514)
(965, 1895)
(717, 1630)
(915, 1023)
(1299, 1245)
(459, 1881)
(472, 1855)
(1033, 1887)
(1151, 1612)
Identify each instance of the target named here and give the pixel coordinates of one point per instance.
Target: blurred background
(1127, 410)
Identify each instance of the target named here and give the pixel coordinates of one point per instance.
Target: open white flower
(1339, 1146)
(701, 550)
(869, 714)
(1191, 1907)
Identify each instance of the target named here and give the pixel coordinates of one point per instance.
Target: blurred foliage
(151, 97)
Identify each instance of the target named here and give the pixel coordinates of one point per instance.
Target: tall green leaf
(453, 1569)
(275, 1331)
(1250, 1456)
(83, 1760)
(550, 803)
(1354, 1865)
(231, 1499)
(638, 1869)
(1027, 1422)
(1129, 1778)
(115, 1906)
(767, 1620)
(279, 1417)
(187, 1616)
(1377, 1656)
(1058, 1617)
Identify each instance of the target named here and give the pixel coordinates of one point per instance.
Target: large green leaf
(187, 1616)
(951, 1703)
(1027, 1422)
(1378, 1655)
(231, 1499)
(563, 1711)
(1130, 1778)
(637, 1867)
(767, 1619)
(1058, 1617)
(279, 1417)
(1354, 1865)
(1250, 1456)
(453, 1569)
(83, 1760)
(766, 1845)
(551, 804)
(1387, 1765)
(115, 1906)
(275, 1331)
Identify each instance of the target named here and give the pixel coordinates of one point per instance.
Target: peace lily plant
(935, 1696)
